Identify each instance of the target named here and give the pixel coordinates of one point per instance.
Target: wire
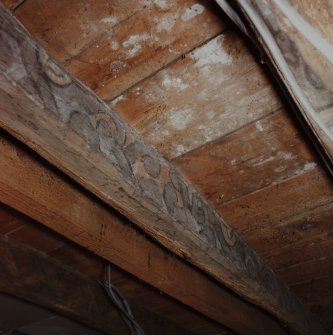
(122, 305)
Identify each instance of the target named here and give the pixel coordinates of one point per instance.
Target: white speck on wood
(259, 126)
(135, 42)
(192, 12)
(163, 4)
(309, 166)
(112, 20)
(211, 53)
(166, 23)
(173, 83)
(180, 119)
(114, 45)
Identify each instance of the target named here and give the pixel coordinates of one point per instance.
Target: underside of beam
(37, 278)
(33, 188)
(71, 127)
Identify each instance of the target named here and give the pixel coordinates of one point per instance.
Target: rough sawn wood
(67, 124)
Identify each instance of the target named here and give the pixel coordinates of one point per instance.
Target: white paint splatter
(112, 20)
(211, 53)
(163, 4)
(233, 162)
(309, 166)
(166, 23)
(259, 126)
(173, 83)
(114, 45)
(287, 156)
(192, 12)
(134, 42)
(115, 101)
(264, 161)
(180, 119)
(180, 149)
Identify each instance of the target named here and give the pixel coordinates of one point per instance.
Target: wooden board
(276, 204)
(291, 34)
(264, 153)
(211, 92)
(116, 44)
(32, 276)
(42, 193)
(12, 4)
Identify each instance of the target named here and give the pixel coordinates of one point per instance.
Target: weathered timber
(30, 275)
(259, 155)
(212, 91)
(33, 276)
(32, 188)
(12, 4)
(298, 41)
(112, 45)
(66, 123)
(260, 216)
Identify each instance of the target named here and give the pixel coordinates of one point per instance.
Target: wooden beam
(35, 277)
(34, 189)
(297, 39)
(67, 124)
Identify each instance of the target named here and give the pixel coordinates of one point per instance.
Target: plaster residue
(180, 119)
(309, 166)
(212, 53)
(287, 156)
(192, 12)
(259, 126)
(263, 161)
(87, 27)
(163, 4)
(114, 45)
(116, 101)
(166, 23)
(134, 42)
(116, 66)
(111, 20)
(173, 83)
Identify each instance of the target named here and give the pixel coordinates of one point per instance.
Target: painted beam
(56, 115)
(34, 189)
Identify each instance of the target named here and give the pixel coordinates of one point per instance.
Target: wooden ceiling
(183, 78)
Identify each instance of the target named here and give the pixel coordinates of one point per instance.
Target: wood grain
(116, 44)
(38, 191)
(300, 55)
(212, 91)
(256, 215)
(12, 4)
(66, 123)
(31, 275)
(261, 154)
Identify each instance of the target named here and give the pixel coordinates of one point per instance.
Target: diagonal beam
(33, 276)
(41, 193)
(71, 127)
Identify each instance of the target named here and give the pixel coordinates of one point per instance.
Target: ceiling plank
(67, 124)
(297, 40)
(31, 275)
(262, 154)
(41, 193)
(112, 45)
(212, 91)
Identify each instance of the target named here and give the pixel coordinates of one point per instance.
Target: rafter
(35, 277)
